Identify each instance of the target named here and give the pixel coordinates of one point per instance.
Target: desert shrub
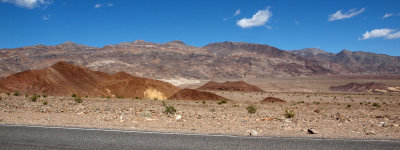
(8, 93)
(26, 95)
(137, 97)
(74, 95)
(376, 105)
(44, 96)
(317, 103)
(204, 102)
(169, 110)
(251, 109)
(34, 97)
(0, 98)
(16, 93)
(164, 103)
(44, 102)
(86, 96)
(221, 102)
(289, 113)
(120, 96)
(236, 105)
(78, 99)
(348, 106)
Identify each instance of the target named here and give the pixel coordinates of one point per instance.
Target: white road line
(193, 134)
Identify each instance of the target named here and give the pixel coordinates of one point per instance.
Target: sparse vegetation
(289, 113)
(8, 93)
(376, 105)
(44, 96)
(16, 93)
(204, 102)
(78, 99)
(164, 103)
(34, 97)
(169, 110)
(44, 102)
(236, 105)
(221, 102)
(251, 109)
(348, 106)
(137, 97)
(74, 95)
(317, 103)
(120, 96)
(26, 95)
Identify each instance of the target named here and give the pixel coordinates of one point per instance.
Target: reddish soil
(190, 94)
(360, 87)
(65, 79)
(230, 86)
(272, 99)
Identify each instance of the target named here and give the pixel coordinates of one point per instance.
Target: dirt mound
(190, 94)
(230, 86)
(63, 79)
(272, 99)
(365, 87)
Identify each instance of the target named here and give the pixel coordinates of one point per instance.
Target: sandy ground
(352, 117)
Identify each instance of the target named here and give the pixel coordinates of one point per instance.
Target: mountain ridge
(176, 59)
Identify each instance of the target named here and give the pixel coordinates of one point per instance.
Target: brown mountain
(175, 59)
(230, 86)
(191, 94)
(365, 87)
(65, 79)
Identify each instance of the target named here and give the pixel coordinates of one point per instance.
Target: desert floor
(330, 114)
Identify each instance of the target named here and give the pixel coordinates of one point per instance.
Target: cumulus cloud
(237, 12)
(30, 4)
(258, 19)
(339, 15)
(97, 6)
(381, 33)
(387, 15)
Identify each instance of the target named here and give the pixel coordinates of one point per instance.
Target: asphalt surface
(39, 137)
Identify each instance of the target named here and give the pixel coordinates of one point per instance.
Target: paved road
(38, 137)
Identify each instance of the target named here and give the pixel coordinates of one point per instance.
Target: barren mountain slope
(65, 79)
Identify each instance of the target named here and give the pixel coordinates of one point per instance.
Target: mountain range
(175, 59)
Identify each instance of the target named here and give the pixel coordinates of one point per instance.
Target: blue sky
(332, 25)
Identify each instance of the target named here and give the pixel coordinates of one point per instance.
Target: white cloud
(110, 4)
(339, 15)
(297, 22)
(46, 17)
(387, 15)
(30, 4)
(258, 19)
(381, 33)
(237, 12)
(97, 6)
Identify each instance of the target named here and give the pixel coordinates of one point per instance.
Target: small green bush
(16, 93)
(236, 105)
(251, 109)
(74, 95)
(289, 113)
(44, 102)
(137, 97)
(348, 106)
(204, 102)
(34, 97)
(164, 103)
(78, 99)
(221, 102)
(26, 95)
(44, 96)
(120, 96)
(8, 93)
(376, 105)
(169, 110)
